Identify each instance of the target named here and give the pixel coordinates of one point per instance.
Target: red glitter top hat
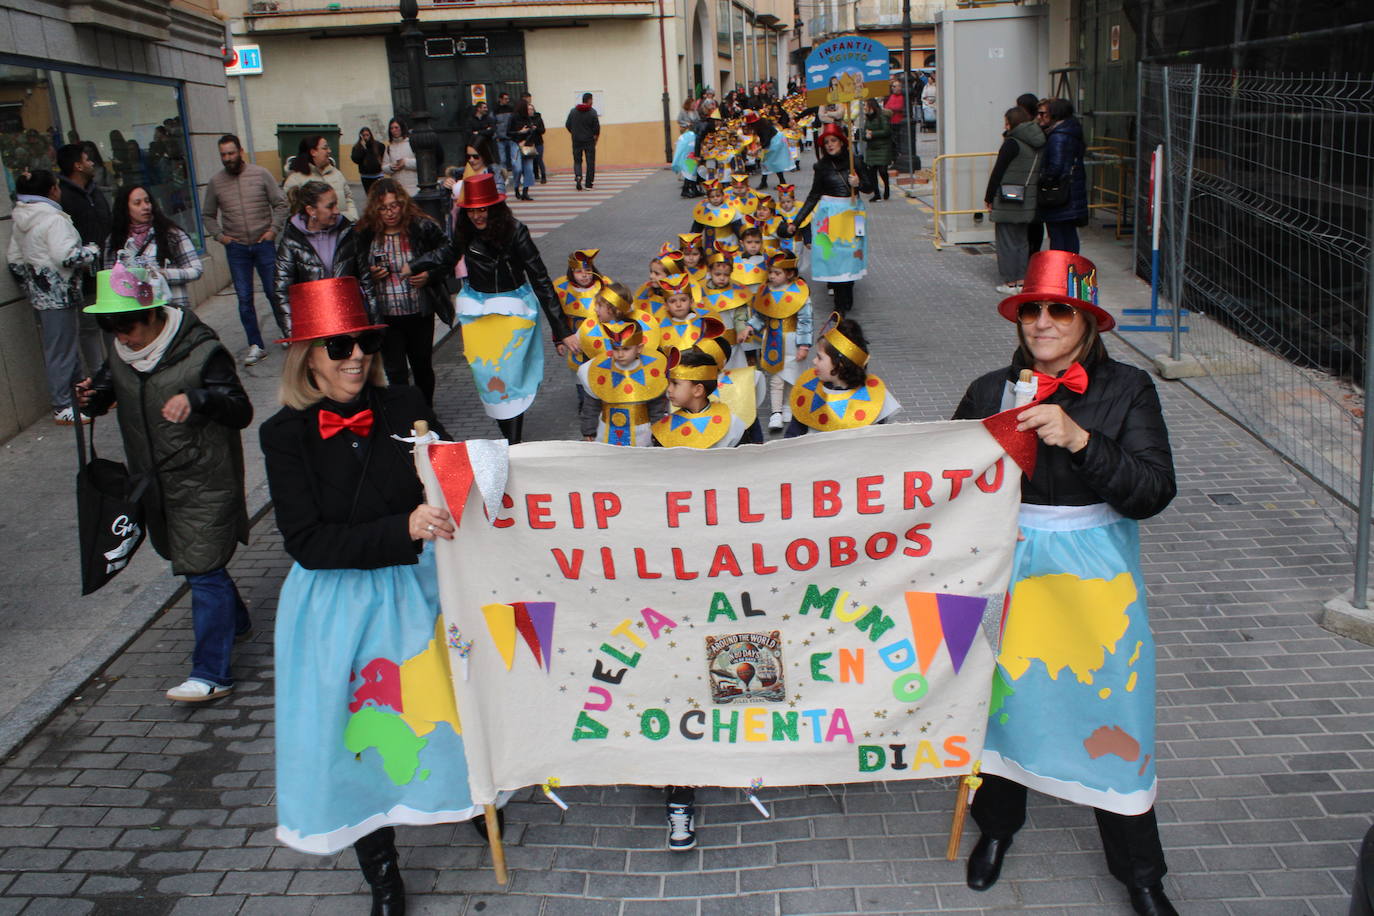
(833, 130)
(1059, 276)
(480, 191)
(326, 308)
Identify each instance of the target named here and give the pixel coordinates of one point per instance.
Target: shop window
(131, 129)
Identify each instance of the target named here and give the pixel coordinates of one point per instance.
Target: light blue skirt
(839, 245)
(1073, 698)
(777, 158)
(502, 347)
(367, 730)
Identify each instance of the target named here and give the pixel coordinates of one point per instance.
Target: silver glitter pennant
(490, 460)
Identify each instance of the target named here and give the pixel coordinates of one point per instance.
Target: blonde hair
(298, 389)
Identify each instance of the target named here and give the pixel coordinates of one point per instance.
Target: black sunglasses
(341, 346)
(1059, 312)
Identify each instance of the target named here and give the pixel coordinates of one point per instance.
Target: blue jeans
(242, 260)
(523, 170)
(509, 151)
(217, 616)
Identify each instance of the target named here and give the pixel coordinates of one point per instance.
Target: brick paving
(125, 804)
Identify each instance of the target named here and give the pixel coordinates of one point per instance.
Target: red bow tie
(332, 424)
(1075, 378)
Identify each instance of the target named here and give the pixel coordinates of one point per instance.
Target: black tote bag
(109, 513)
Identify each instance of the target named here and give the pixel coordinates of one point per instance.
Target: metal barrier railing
(1112, 169)
(939, 212)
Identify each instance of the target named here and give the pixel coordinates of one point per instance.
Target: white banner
(818, 610)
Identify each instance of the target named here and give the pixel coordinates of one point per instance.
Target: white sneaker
(786, 415)
(682, 827)
(67, 416)
(775, 421)
(1008, 289)
(194, 691)
(255, 355)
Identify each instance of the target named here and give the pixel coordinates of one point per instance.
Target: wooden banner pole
(498, 851)
(964, 790)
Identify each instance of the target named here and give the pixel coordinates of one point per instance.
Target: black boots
(1150, 901)
(377, 858)
(579, 183)
(985, 862)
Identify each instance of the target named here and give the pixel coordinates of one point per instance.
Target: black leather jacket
(494, 267)
(831, 179)
(425, 236)
(1127, 462)
(297, 262)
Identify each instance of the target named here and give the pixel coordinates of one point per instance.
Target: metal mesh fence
(1267, 199)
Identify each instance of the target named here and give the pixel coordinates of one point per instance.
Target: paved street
(125, 804)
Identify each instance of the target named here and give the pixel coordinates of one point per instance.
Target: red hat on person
(480, 191)
(833, 130)
(327, 308)
(751, 116)
(1059, 276)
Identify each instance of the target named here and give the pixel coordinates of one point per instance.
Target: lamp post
(424, 142)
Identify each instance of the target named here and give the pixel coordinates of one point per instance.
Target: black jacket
(1127, 462)
(1063, 158)
(499, 268)
(584, 125)
(425, 236)
(368, 157)
(345, 502)
(297, 262)
(526, 128)
(831, 179)
(89, 210)
(484, 126)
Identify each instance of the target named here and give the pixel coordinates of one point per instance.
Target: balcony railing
(262, 9)
(888, 13)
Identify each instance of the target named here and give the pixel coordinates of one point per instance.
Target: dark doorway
(450, 77)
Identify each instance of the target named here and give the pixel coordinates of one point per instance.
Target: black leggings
(844, 296)
(410, 339)
(1135, 856)
(513, 429)
(880, 174)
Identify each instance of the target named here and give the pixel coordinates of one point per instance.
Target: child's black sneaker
(682, 827)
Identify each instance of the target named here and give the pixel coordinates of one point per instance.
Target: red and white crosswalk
(559, 201)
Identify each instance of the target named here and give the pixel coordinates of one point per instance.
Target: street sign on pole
(247, 61)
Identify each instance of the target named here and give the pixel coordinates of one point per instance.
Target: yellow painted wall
(618, 57)
(621, 144)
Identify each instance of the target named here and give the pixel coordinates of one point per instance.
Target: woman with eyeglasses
(506, 288)
(1063, 200)
(1103, 463)
(392, 233)
(360, 604)
(317, 242)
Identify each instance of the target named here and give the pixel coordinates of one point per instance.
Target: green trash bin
(289, 138)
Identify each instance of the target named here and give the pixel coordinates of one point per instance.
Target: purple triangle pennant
(961, 616)
(541, 616)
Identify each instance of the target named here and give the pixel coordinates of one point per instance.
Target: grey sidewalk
(126, 804)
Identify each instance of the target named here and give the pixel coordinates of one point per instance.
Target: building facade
(143, 81)
(341, 65)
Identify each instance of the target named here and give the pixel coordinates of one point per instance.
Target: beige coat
(332, 177)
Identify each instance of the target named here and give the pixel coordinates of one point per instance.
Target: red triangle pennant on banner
(1019, 446)
(454, 471)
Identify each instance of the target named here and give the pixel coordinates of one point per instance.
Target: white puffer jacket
(46, 255)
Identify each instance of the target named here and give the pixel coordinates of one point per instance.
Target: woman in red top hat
(1103, 462)
(505, 289)
(838, 217)
(360, 603)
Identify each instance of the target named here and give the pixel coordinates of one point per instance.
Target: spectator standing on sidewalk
(89, 208)
(1103, 462)
(367, 155)
(481, 124)
(312, 163)
(1011, 194)
(584, 126)
(180, 407)
(143, 236)
(506, 147)
(526, 132)
(540, 174)
(1035, 229)
(878, 148)
(47, 257)
(1063, 164)
(399, 159)
(244, 210)
(361, 597)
